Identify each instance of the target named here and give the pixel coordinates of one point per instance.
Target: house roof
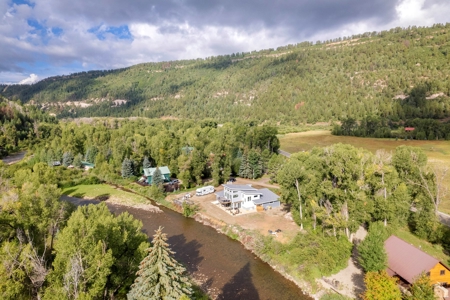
(150, 171)
(409, 128)
(266, 197)
(406, 260)
(87, 164)
(257, 192)
(239, 187)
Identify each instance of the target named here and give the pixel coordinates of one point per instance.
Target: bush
(189, 210)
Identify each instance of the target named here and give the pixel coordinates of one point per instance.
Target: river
(226, 269)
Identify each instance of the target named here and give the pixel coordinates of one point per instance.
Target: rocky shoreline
(245, 240)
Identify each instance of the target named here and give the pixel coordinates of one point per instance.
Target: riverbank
(220, 265)
(248, 241)
(251, 239)
(110, 194)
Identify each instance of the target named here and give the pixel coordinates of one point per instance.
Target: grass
(438, 152)
(434, 250)
(103, 192)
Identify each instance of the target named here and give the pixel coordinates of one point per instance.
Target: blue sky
(42, 38)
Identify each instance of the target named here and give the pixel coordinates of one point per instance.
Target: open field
(104, 192)
(438, 152)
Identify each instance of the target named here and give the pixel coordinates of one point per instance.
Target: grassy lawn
(438, 152)
(434, 250)
(103, 192)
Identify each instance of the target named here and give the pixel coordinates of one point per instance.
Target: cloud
(54, 37)
(33, 78)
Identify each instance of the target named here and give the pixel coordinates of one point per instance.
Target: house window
(442, 272)
(235, 195)
(428, 274)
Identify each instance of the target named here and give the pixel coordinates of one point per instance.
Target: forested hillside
(396, 74)
(18, 125)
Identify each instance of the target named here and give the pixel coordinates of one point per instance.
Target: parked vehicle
(231, 179)
(204, 190)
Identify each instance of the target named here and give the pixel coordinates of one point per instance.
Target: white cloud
(180, 32)
(33, 78)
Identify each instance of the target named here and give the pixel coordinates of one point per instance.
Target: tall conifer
(160, 276)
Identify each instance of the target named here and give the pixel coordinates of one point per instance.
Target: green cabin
(165, 173)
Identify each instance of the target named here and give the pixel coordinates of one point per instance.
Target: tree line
(192, 150)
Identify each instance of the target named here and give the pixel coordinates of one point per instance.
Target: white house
(247, 197)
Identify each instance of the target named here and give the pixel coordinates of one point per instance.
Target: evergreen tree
(67, 159)
(160, 276)
(127, 168)
(245, 170)
(373, 256)
(255, 164)
(146, 163)
(91, 153)
(77, 161)
(157, 177)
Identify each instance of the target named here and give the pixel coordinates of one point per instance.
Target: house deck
(229, 210)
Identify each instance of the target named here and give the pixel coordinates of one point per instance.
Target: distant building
(408, 262)
(247, 197)
(87, 165)
(165, 174)
(409, 129)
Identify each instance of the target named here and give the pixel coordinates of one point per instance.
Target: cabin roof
(406, 260)
(409, 128)
(150, 171)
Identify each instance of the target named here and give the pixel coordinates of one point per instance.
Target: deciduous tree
(380, 286)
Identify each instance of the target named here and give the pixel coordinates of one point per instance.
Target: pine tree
(127, 168)
(157, 177)
(160, 276)
(243, 167)
(67, 159)
(146, 163)
(91, 153)
(77, 161)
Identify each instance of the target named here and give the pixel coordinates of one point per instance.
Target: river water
(226, 269)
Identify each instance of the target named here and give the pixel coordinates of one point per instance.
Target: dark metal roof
(406, 260)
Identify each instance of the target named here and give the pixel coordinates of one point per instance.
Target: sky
(43, 38)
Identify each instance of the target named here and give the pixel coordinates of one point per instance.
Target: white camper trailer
(204, 190)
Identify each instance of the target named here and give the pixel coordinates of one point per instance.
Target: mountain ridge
(388, 74)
